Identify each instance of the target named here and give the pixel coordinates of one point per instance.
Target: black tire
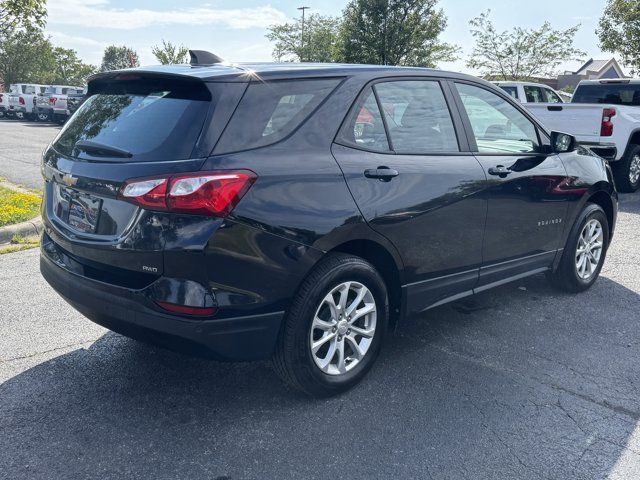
(293, 360)
(566, 276)
(42, 117)
(622, 170)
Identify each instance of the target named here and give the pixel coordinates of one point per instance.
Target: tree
(395, 32)
(170, 54)
(19, 14)
(116, 58)
(26, 56)
(320, 43)
(70, 70)
(520, 54)
(619, 31)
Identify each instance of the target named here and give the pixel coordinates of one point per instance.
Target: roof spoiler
(202, 57)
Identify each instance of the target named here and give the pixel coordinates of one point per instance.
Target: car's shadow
(518, 383)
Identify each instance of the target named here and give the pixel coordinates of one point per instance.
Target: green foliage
(395, 32)
(69, 69)
(170, 54)
(619, 31)
(320, 40)
(117, 58)
(520, 54)
(19, 14)
(27, 56)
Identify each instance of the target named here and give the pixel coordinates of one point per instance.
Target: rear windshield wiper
(101, 150)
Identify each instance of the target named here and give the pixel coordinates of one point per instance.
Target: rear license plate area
(84, 213)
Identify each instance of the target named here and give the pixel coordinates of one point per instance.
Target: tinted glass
(512, 91)
(498, 126)
(618, 94)
(153, 120)
(417, 117)
(534, 94)
(550, 96)
(364, 127)
(270, 111)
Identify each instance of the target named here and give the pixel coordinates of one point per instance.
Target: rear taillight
(52, 100)
(21, 100)
(606, 128)
(1, 97)
(203, 193)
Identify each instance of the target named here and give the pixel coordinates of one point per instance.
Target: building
(592, 70)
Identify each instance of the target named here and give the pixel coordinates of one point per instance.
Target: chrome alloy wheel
(589, 249)
(634, 170)
(343, 328)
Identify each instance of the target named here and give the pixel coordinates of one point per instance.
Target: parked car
(301, 211)
(604, 116)
(528, 92)
(54, 102)
(23, 100)
(74, 100)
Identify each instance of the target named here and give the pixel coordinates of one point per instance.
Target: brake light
(52, 100)
(203, 193)
(21, 100)
(606, 128)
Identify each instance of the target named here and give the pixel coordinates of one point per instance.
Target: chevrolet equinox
(299, 212)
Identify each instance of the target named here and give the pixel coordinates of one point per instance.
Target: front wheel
(334, 329)
(584, 253)
(42, 117)
(627, 170)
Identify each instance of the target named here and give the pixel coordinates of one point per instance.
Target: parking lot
(520, 382)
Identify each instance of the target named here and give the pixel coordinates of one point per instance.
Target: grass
(16, 207)
(19, 243)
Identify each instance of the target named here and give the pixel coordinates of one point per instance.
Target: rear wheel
(334, 329)
(585, 251)
(627, 170)
(42, 117)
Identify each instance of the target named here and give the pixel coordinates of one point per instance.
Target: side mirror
(563, 142)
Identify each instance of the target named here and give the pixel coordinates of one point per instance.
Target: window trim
(458, 125)
(541, 132)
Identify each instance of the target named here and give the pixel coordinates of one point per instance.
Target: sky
(235, 29)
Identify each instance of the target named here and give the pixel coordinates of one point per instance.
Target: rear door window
(417, 117)
(533, 94)
(512, 91)
(271, 111)
(550, 96)
(151, 120)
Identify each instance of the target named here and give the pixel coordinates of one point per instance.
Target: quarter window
(498, 126)
(417, 117)
(365, 127)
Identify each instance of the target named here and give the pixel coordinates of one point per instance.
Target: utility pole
(302, 33)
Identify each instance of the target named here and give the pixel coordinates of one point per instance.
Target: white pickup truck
(604, 116)
(22, 99)
(52, 106)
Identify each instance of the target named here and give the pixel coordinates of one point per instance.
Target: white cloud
(98, 13)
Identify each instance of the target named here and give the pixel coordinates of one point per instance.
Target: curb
(25, 229)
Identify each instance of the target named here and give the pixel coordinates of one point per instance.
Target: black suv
(300, 211)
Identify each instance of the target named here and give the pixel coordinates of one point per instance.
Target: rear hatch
(131, 126)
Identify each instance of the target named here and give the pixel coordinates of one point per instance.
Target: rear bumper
(131, 313)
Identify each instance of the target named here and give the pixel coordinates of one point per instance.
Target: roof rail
(202, 57)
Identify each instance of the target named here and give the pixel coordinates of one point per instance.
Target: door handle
(384, 174)
(500, 170)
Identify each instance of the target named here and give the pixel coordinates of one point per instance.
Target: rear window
(512, 91)
(151, 120)
(270, 111)
(617, 94)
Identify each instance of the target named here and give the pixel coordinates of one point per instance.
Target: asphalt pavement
(21, 146)
(521, 382)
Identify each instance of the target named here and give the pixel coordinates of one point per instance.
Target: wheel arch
(385, 263)
(603, 199)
